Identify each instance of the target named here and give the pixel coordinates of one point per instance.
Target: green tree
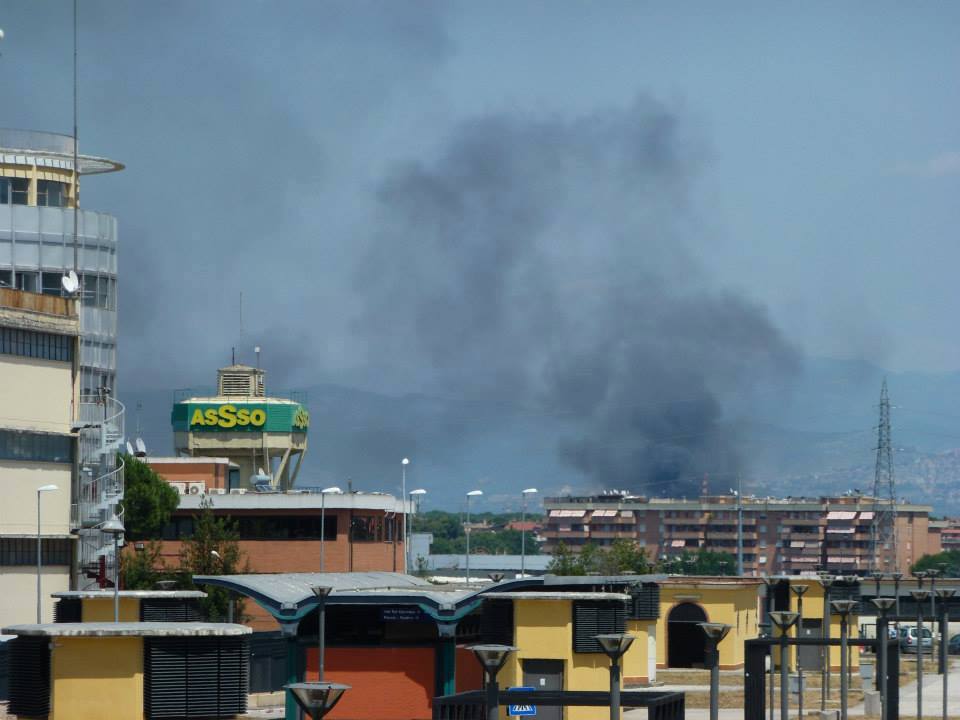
(141, 570)
(148, 500)
(949, 558)
(565, 561)
(700, 562)
(213, 549)
(625, 556)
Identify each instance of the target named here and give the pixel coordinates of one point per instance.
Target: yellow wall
(18, 593)
(97, 678)
(635, 665)
(100, 609)
(35, 394)
(18, 511)
(543, 630)
(735, 605)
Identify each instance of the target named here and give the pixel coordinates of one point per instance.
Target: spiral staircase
(100, 427)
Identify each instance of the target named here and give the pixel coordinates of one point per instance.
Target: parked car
(908, 640)
(953, 647)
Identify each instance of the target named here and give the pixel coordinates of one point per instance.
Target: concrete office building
(39, 376)
(780, 535)
(38, 194)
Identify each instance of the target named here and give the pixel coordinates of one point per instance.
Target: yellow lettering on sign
(257, 417)
(197, 418)
(228, 416)
(301, 419)
(211, 416)
(243, 417)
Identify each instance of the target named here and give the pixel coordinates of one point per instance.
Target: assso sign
(228, 416)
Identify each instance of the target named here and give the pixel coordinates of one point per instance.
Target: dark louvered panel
(170, 610)
(497, 622)
(196, 677)
(839, 591)
(591, 617)
(68, 610)
(645, 603)
(30, 677)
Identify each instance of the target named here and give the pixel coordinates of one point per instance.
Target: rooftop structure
(265, 437)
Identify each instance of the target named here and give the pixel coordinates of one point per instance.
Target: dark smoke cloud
(550, 263)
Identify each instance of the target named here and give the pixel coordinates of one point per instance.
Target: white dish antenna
(129, 448)
(141, 447)
(70, 282)
(260, 471)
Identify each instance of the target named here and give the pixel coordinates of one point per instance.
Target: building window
(368, 528)
(14, 191)
(23, 551)
(51, 193)
(35, 447)
(29, 343)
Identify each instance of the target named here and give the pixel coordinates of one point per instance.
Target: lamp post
(415, 496)
(715, 633)
(466, 527)
(933, 597)
(769, 583)
(403, 500)
(883, 605)
(897, 577)
(321, 592)
(317, 699)
(826, 580)
(920, 596)
(41, 489)
(784, 621)
(799, 590)
(523, 531)
(850, 580)
(843, 608)
(614, 645)
(877, 577)
(492, 658)
(944, 594)
(323, 525)
(114, 527)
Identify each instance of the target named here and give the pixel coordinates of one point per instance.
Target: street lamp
(883, 605)
(403, 500)
(715, 633)
(945, 594)
(492, 658)
(321, 592)
(41, 489)
(614, 645)
(784, 621)
(843, 608)
(897, 577)
(799, 590)
(317, 699)
(523, 530)
(466, 527)
(114, 527)
(826, 580)
(323, 517)
(920, 596)
(769, 584)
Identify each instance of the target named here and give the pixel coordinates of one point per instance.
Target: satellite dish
(260, 471)
(129, 448)
(141, 447)
(70, 282)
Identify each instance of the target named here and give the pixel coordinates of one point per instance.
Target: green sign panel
(239, 417)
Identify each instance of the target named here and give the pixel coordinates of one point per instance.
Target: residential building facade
(779, 535)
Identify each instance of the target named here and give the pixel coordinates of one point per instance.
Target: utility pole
(883, 529)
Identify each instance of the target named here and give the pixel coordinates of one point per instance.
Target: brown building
(789, 535)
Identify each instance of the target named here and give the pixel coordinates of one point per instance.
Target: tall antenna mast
(76, 113)
(883, 530)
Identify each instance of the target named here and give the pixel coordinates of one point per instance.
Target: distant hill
(817, 435)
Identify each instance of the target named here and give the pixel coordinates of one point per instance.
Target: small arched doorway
(686, 643)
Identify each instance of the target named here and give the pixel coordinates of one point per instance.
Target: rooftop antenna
(883, 529)
(241, 319)
(257, 351)
(70, 283)
(141, 447)
(76, 114)
(129, 449)
(139, 410)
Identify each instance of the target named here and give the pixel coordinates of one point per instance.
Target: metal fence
(661, 705)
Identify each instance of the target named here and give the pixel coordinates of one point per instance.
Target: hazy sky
(368, 174)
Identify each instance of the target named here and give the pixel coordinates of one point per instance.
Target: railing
(105, 412)
(661, 705)
(181, 394)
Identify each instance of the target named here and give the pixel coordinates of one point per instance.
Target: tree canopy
(450, 539)
(948, 561)
(148, 500)
(627, 556)
(213, 549)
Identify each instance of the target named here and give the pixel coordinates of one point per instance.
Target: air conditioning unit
(181, 488)
(238, 491)
(217, 491)
(197, 488)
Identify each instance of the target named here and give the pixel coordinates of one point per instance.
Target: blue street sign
(521, 710)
